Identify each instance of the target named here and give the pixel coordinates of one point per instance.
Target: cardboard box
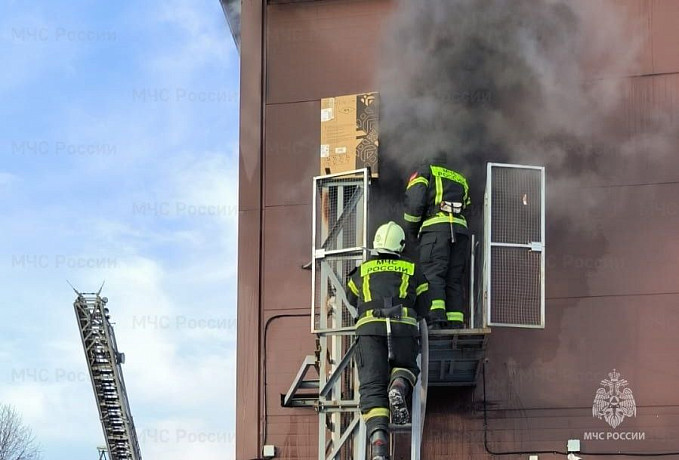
(349, 133)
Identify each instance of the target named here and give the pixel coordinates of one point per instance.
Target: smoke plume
(520, 81)
(528, 82)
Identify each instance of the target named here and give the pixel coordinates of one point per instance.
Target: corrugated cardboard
(349, 133)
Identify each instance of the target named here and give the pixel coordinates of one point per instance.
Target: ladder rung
(302, 400)
(404, 428)
(309, 385)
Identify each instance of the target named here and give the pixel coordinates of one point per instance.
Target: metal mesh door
(339, 245)
(514, 252)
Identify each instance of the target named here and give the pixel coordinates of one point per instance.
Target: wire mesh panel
(517, 205)
(515, 285)
(339, 245)
(514, 255)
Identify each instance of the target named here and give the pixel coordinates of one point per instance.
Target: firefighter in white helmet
(390, 294)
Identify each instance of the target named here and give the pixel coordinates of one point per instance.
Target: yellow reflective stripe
(438, 305)
(403, 289)
(444, 219)
(439, 191)
(352, 287)
(455, 316)
(410, 218)
(418, 180)
(422, 288)
(403, 370)
(387, 265)
(366, 289)
(376, 412)
(371, 319)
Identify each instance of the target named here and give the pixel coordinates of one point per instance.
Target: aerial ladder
(104, 364)
(509, 261)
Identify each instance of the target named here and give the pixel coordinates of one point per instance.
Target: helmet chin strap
(385, 251)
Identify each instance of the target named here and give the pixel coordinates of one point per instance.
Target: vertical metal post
(336, 323)
(472, 274)
(419, 400)
(314, 217)
(323, 342)
(360, 440)
(487, 238)
(543, 260)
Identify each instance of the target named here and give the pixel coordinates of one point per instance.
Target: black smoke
(538, 82)
(503, 81)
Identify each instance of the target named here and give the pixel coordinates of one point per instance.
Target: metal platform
(456, 356)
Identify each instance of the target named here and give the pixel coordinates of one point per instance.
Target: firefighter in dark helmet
(390, 295)
(435, 199)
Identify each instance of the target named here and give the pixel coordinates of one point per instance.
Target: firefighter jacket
(426, 189)
(382, 277)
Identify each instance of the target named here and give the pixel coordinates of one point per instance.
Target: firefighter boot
(436, 319)
(379, 445)
(398, 403)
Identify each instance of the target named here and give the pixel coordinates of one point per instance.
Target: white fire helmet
(389, 238)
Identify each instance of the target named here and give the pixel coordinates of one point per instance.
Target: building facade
(612, 285)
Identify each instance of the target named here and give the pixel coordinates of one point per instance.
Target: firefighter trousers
(375, 374)
(444, 264)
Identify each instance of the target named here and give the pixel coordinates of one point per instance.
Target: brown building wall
(611, 303)
(249, 234)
